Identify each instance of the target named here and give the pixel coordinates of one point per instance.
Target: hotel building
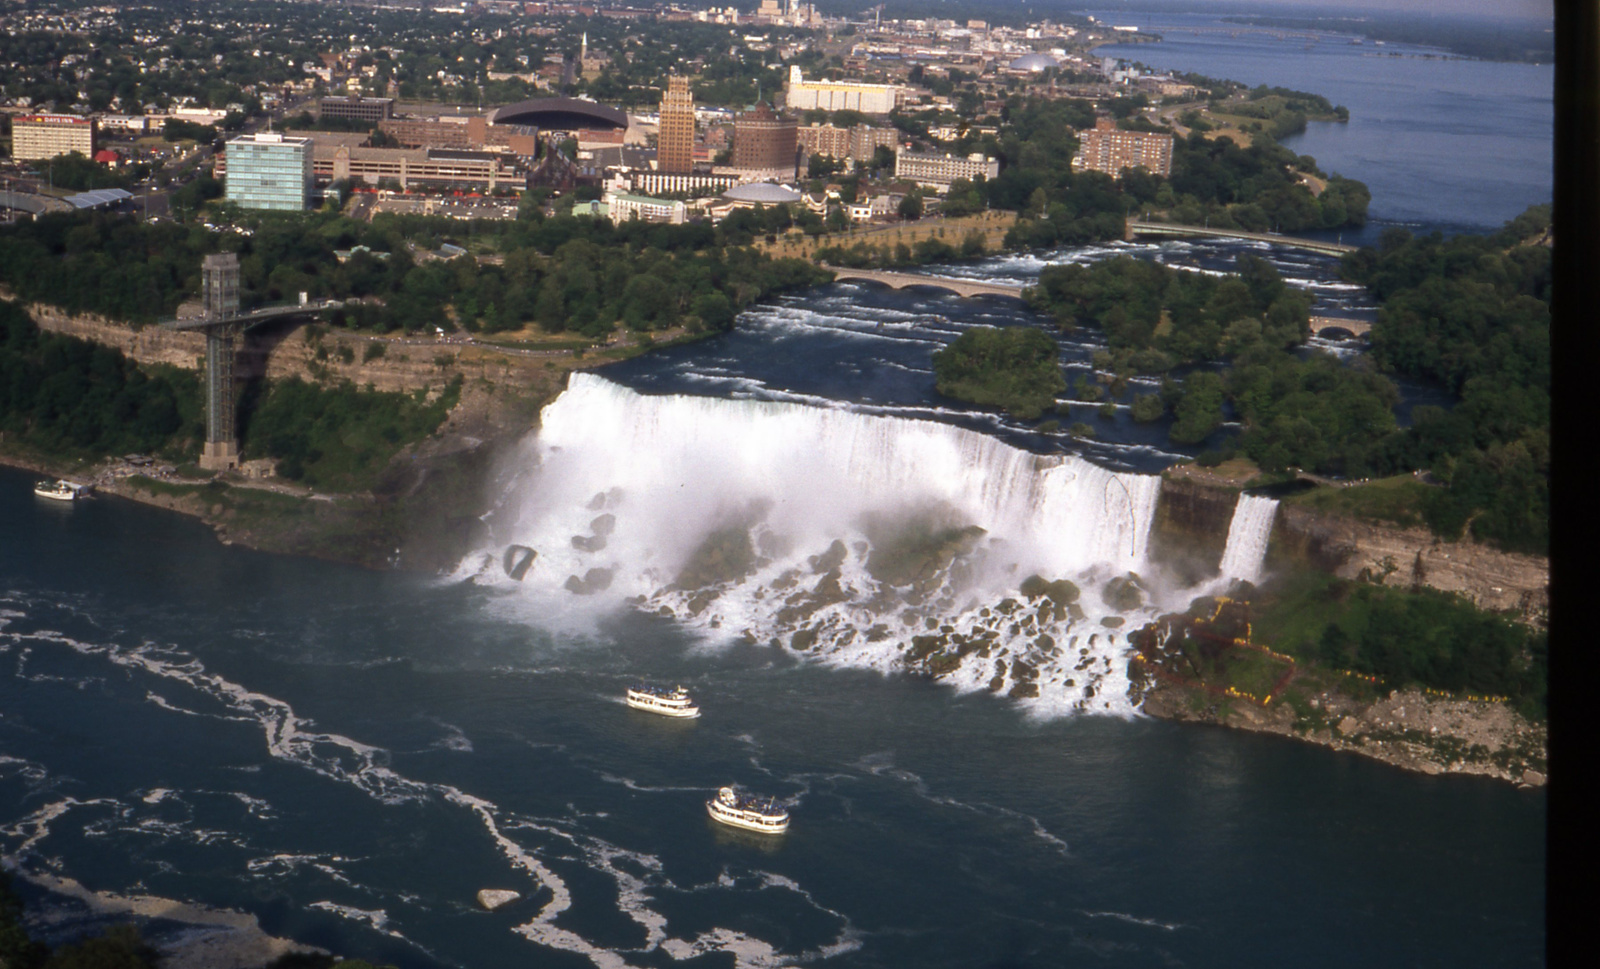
(1106, 148)
(268, 170)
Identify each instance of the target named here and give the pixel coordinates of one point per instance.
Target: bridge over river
(1136, 227)
(961, 287)
(972, 287)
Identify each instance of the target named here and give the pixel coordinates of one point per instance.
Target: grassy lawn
(1399, 499)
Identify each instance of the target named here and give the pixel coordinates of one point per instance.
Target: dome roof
(764, 192)
(1033, 62)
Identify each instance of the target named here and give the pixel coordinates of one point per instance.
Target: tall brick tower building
(675, 142)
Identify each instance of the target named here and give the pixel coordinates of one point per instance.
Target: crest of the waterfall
(1248, 535)
(671, 469)
(819, 528)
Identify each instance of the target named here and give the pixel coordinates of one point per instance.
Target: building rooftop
(764, 192)
(99, 197)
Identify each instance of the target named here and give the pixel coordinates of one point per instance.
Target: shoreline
(1408, 729)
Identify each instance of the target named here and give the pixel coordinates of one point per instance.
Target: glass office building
(269, 171)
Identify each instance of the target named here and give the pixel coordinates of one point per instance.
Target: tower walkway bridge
(248, 319)
(221, 321)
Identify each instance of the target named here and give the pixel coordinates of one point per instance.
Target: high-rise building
(807, 95)
(35, 137)
(675, 141)
(764, 140)
(1106, 148)
(268, 170)
(859, 142)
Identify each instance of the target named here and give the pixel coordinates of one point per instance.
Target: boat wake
(551, 861)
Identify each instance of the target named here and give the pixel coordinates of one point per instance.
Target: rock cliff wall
(1396, 556)
(283, 350)
(1191, 529)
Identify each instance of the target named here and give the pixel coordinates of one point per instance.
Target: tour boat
(59, 490)
(747, 811)
(668, 703)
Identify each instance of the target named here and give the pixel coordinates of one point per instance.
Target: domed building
(760, 193)
(1033, 63)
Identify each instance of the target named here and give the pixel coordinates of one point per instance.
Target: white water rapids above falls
(857, 540)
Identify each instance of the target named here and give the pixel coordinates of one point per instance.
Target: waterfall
(724, 514)
(1248, 534)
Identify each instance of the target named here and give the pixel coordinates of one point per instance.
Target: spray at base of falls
(856, 540)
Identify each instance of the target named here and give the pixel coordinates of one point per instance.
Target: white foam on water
(376, 919)
(637, 876)
(1136, 920)
(660, 474)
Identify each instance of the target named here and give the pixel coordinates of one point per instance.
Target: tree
(911, 206)
(1017, 368)
(1199, 412)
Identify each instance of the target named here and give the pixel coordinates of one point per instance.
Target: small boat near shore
(748, 811)
(60, 490)
(669, 703)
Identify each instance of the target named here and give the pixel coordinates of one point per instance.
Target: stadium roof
(99, 198)
(560, 114)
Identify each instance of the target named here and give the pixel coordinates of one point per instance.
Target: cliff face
(1394, 556)
(1190, 530)
(289, 350)
(1192, 522)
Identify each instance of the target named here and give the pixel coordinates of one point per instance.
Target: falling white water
(1247, 537)
(618, 490)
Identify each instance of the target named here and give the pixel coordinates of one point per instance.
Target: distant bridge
(1320, 324)
(961, 287)
(1138, 228)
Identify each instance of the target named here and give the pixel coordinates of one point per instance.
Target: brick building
(764, 140)
(371, 110)
(859, 142)
(675, 140)
(1106, 148)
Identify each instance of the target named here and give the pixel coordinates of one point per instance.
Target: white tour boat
(668, 703)
(747, 811)
(60, 490)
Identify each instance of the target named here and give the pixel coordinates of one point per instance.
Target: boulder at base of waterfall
(493, 898)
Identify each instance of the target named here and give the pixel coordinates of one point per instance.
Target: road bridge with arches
(961, 287)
